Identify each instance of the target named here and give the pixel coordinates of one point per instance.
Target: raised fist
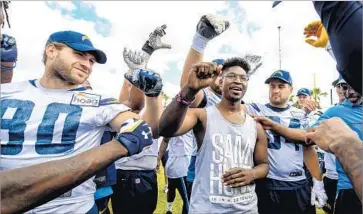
(9, 51)
(134, 59)
(203, 74)
(210, 26)
(316, 28)
(154, 42)
(146, 80)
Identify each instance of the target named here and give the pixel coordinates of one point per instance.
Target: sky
(111, 26)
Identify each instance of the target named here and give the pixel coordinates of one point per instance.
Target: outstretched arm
(25, 188)
(208, 27)
(334, 136)
(176, 118)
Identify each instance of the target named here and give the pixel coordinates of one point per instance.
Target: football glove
(154, 42)
(9, 51)
(135, 135)
(146, 80)
(208, 27)
(318, 192)
(316, 28)
(134, 59)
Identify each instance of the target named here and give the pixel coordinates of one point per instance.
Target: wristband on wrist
(199, 43)
(179, 99)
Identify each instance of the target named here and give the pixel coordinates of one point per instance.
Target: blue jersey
(285, 157)
(352, 116)
(40, 125)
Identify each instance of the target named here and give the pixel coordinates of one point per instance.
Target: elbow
(164, 131)
(267, 169)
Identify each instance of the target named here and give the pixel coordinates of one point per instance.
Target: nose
(275, 90)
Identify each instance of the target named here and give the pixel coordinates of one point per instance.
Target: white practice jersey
(180, 151)
(40, 125)
(285, 158)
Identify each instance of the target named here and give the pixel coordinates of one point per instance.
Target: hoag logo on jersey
(85, 99)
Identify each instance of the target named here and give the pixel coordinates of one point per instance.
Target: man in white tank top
(233, 147)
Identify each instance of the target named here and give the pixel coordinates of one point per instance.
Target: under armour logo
(145, 134)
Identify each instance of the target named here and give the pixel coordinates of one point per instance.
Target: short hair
(58, 46)
(4, 5)
(236, 61)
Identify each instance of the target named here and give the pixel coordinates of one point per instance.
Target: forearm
(125, 91)
(296, 135)
(162, 149)
(260, 171)
(26, 188)
(311, 161)
(173, 116)
(136, 99)
(192, 58)
(349, 154)
(152, 114)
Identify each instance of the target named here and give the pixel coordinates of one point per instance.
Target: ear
(291, 89)
(221, 81)
(51, 51)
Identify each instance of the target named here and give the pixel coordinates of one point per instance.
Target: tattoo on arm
(350, 157)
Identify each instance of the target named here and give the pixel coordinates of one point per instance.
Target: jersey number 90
(44, 132)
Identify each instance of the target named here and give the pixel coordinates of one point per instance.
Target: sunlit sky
(114, 25)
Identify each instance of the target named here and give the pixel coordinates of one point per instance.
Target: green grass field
(177, 207)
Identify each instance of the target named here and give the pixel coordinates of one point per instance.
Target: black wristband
(149, 50)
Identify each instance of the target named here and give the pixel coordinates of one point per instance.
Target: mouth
(81, 70)
(236, 89)
(353, 98)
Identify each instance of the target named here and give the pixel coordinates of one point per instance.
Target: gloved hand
(154, 43)
(318, 192)
(135, 135)
(255, 62)
(146, 80)
(316, 28)
(134, 59)
(9, 51)
(208, 27)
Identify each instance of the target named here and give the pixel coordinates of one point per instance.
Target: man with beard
(286, 179)
(350, 111)
(55, 117)
(230, 143)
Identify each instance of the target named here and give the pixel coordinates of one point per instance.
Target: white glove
(318, 192)
(154, 42)
(255, 62)
(134, 59)
(208, 27)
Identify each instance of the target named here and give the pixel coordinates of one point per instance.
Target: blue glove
(146, 80)
(135, 135)
(9, 51)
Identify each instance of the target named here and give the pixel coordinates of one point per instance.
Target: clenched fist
(203, 74)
